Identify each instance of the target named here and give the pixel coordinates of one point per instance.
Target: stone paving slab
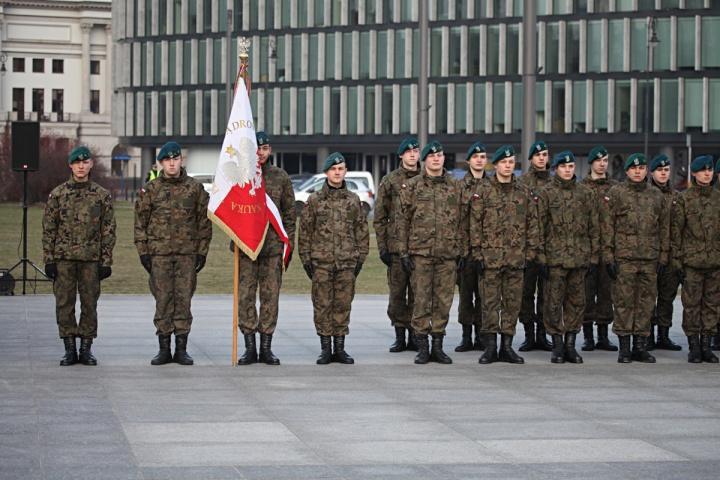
(382, 418)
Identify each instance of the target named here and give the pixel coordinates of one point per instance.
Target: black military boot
(558, 351)
(250, 356)
(266, 354)
(603, 342)
(588, 342)
(624, 356)
(163, 356)
(541, 342)
(716, 341)
(490, 355)
(507, 354)
(479, 345)
(325, 351)
(181, 356)
(437, 354)
(664, 342)
(86, 356)
(423, 355)
(339, 353)
(650, 340)
(529, 343)
(399, 345)
(411, 344)
(71, 356)
(707, 354)
(571, 355)
(695, 351)
(466, 343)
(639, 351)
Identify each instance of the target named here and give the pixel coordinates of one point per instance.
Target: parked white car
(364, 178)
(355, 185)
(205, 178)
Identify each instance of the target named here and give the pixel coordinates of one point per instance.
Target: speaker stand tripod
(24, 261)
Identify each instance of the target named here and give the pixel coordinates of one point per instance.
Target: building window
(594, 39)
(579, 96)
(600, 107)
(552, 46)
(479, 107)
(616, 45)
(493, 49)
(436, 52)
(38, 65)
(622, 106)
(18, 105)
(693, 105)
(57, 102)
(558, 107)
(638, 45)
(58, 66)
(498, 107)
(686, 43)
(440, 107)
(714, 92)
(94, 67)
(38, 100)
(572, 47)
(669, 106)
(95, 101)
(710, 41)
(18, 64)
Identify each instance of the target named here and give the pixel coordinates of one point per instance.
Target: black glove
(358, 267)
(199, 262)
(232, 246)
(660, 268)
(146, 261)
(386, 258)
(460, 263)
(612, 270)
(104, 272)
(309, 269)
(51, 271)
(592, 270)
(479, 268)
(287, 264)
(407, 264)
(544, 271)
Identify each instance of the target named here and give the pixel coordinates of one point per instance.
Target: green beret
(563, 157)
(536, 147)
(262, 139)
(334, 158)
(659, 161)
(476, 147)
(506, 151)
(408, 143)
(432, 147)
(170, 150)
(703, 162)
(79, 153)
(634, 160)
(597, 153)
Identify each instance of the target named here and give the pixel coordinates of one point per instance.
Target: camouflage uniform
(334, 238)
(504, 236)
(79, 237)
(172, 226)
(570, 243)
(431, 236)
(264, 275)
(386, 217)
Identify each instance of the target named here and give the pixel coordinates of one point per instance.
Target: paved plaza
(383, 418)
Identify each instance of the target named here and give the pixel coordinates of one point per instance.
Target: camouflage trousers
(400, 304)
(634, 294)
(598, 301)
(433, 281)
(172, 283)
(500, 291)
(701, 301)
(262, 278)
(470, 307)
(332, 295)
(667, 285)
(75, 278)
(564, 300)
(533, 284)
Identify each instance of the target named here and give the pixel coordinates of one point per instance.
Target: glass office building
(343, 75)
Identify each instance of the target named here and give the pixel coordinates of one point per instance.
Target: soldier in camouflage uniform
(172, 236)
(696, 253)
(635, 236)
(432, 248)
(386, 216)
(569, 247)
(470, 307)
(264, 275)
(716, 337)
(598, 301)
(333, 244)
(669, 280)
(531, 315)
(78, 240)
(503, 240)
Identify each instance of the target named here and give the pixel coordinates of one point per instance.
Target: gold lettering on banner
(238, 124)
(243, 209)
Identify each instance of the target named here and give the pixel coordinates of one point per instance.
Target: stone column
(85, 68)
(109, 70)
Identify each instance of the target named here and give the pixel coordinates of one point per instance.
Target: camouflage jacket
(635, 225)
(430, 225)
(670, 195)
(388, 210)
(504, 225)
(696, 228)
(171, 217)
(470, 186)
(79, 224)
(600, 186)
(279, 188)
(569, 225)
(333, 229)
(535, 180)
